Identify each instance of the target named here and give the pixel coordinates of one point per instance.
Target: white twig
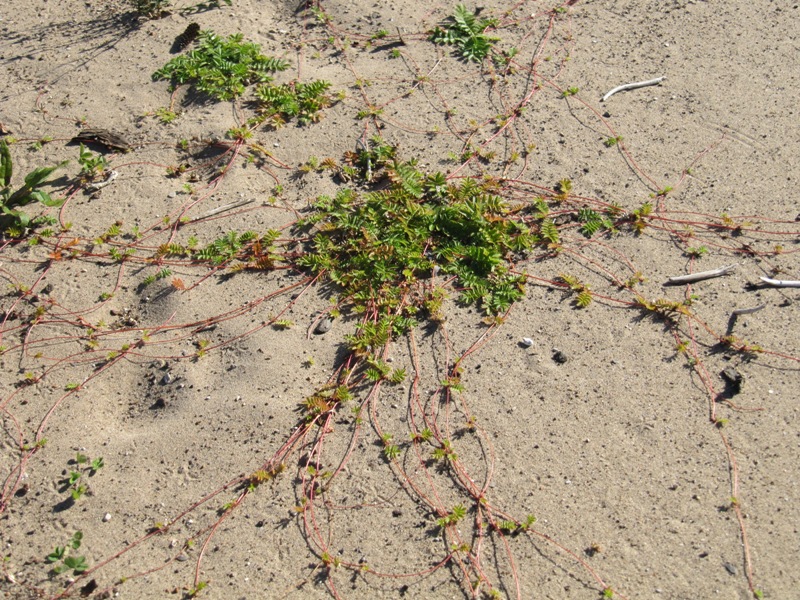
(93, 187)
(747, 311)
(632, 86)
(216, 211)
(780, 282)
(700, 276)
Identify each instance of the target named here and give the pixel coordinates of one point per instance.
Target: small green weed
(453, 517)
(583, 294)
(75, 483)
(304, 101)
(195, 591)
(465, 31)
(63, 560)
(151, 9)
(13, 221)
(93, 166)
(161, 274)
(221, 67)
(593, 222)
(696, 252)
(165, 115)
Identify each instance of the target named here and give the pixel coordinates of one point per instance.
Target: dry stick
(747, 311)
(221, 209)
(780, 282)
(632, 86)
(701, 275)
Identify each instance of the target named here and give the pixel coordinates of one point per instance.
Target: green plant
(40, 143)
(165, 115)
(221, 67)
(377, 247)
(593, 222)
(13, 221)
(151, 9)
(254, 252)
(193, 592)
(304, 101)
(583, 294)
(93, 166)
(640, 217)
(161, 274)
(62, 555)
(453, 517)
(696, 252)
(570, 91)
(445, 452)
(466, 31)
(75, 482)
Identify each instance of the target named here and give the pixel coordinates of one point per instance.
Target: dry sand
(613, 450)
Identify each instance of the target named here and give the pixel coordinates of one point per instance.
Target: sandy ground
(613, 449)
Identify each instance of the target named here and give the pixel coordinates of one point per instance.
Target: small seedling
(165, 115)
(445, 452)
(151, 9)
(696, 252)
(193, 592)
(593, 222)
(93, 166)
(453, 517)
(570, 91)
(40, 143)
(303, 101)
(65, 560)
(162, 274)
(75, 482)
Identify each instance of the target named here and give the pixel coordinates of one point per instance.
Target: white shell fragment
(527, 342)
(93, 187)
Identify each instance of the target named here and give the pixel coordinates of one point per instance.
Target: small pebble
(526, 342)
(167, 379)
(324, 326)
(182, 558)
(106, 517)
(559, 356)
(733, 380)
